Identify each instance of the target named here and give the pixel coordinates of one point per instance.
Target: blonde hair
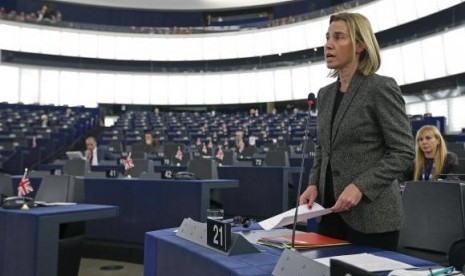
(439, 158)
(360, 31)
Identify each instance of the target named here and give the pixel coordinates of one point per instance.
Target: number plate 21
(219, 234)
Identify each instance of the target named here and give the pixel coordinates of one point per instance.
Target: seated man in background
(44, 122)
(93, 154)
(432, 160)
(239, 143)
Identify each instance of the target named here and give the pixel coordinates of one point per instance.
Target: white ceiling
(200, 5)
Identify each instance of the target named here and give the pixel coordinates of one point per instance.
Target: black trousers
(334, 226)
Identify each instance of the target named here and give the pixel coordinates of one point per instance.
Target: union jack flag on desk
(179, 154)
(24, 186)
(220, 154)
(128, 164)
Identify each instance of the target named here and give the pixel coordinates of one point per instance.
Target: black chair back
(61, 188)
(457, 255)
(434, 217)
(141, 165)
(277, 158)
(76, 167)
(203, 168)
(6, 185)
(153, 175)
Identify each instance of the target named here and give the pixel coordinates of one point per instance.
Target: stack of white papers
(287, 217)
(43, 203)
(368, 262)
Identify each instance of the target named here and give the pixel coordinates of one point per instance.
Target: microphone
(311, 100)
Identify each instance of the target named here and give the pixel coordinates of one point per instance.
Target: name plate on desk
(219, 234)
(196, 231)
(258, 162)
(111, 173)
(166, 174)
(56, 172)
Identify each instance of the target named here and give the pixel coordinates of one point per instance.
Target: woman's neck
(430, 155)
(345, 76)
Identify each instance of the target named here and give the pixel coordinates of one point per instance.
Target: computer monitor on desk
(74, 155)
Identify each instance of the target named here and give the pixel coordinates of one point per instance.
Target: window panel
(210, 48)
(87, 89)
(413, 62)
(265, 86)
(123, 47)
(177, 89)
(29, 40)
(159, 89)
(49, 87)
(454, 43)
(437, 107)
(106, 47)
(296, 37)
(416, 108)
(141, 48)
(247, 88)
(14, 37)
(212, 86)
(392, 64)
(279, 41)
(105, 86)
(405, 11)
(9, 78)
(315, 32)
(283, 85)
(88, 45)
(300, 82)
(158, 48)
(194, 48)
(456, 116)
(245, 45)
(230, 87)
(141, 89)
(123, 88)
(50, 42)
(433, 57)
(228, 47)
(29, 86)
(194, 88)
(263, 43)
(69, 44)
(69, 88)
(176, 49)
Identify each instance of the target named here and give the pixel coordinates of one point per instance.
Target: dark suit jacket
(370, 144)
(102, 154)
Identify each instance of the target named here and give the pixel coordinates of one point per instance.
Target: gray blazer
(370, 145)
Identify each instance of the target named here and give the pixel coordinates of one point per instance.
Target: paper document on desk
(287, 217)
(368, 262)
(44, 203)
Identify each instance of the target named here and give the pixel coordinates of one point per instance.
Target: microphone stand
(299, 188)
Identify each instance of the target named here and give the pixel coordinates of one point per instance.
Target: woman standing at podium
(364, 140)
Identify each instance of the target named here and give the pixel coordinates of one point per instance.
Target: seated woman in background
(432, 160)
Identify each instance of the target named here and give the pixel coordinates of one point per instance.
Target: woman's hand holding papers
(348, 199)
(309, 196)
